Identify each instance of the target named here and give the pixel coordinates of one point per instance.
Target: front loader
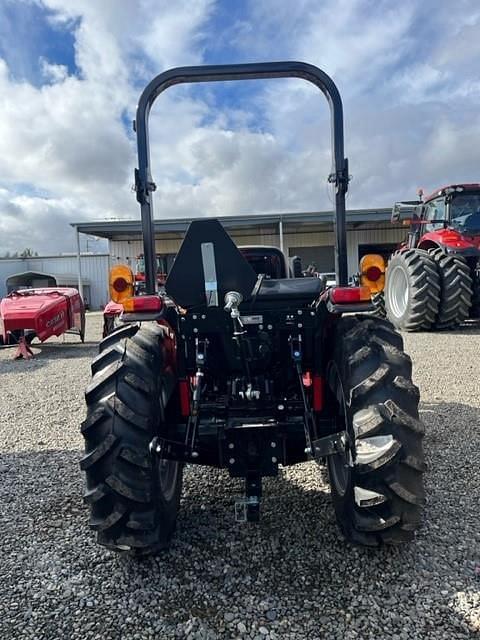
(235, 369)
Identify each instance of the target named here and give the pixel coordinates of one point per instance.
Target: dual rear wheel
(427, 290)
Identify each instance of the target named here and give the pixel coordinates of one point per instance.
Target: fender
(451, 241)
(113, 308)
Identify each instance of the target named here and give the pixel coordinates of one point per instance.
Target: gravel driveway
(289, 577)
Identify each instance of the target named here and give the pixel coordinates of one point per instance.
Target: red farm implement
(40, 313)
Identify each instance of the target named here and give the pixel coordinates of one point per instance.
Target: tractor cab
(448, 217)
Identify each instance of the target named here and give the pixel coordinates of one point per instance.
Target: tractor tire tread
(123, 409)
(386, 410)
(455, 289)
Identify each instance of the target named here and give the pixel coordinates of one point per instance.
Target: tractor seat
(288, 289)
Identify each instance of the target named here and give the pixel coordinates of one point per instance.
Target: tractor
(248, 371)
(433, 280)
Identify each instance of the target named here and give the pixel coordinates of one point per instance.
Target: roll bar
(144, 184)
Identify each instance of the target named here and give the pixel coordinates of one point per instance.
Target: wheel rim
(398, 291)
(340, 472)
(341, 464)
(167, 478)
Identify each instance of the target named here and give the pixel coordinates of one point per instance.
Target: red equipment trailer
(40, 313)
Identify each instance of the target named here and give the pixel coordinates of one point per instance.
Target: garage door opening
(322, 258)
(385, 250)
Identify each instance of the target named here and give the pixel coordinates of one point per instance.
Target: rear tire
(475, 308)
(412, 290)
(378, 301)
(455, 289)
(108, 325)
(82, 328)
(133, 498)
(377, 486)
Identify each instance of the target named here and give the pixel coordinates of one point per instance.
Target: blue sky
(71, 72)
(28, 36)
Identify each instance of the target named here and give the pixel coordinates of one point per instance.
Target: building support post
(79, 264)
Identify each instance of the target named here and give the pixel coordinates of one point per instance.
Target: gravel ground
(289, 577)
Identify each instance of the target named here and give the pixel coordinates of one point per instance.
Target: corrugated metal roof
(117, 228)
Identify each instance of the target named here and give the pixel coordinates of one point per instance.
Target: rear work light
(143, 304)
(372, 272)
(349, 295)
(121, 283)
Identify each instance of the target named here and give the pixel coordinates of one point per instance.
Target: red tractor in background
(433, 280)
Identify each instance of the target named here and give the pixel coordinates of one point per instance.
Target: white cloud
(67, 138)
(53, 72)
(410, 88)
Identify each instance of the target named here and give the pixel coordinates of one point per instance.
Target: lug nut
(231, 461)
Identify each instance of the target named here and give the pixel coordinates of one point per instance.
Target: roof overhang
(130, 228)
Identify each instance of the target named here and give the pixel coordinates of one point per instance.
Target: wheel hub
(167, 477)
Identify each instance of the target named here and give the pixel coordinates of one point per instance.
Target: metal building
(61, 271)
(308, 235)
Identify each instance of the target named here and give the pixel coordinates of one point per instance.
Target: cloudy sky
(71, 72)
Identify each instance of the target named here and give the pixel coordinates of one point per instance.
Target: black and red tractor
(433, 280)
(249, 371)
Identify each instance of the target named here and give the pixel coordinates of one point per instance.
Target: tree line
(26, 253)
